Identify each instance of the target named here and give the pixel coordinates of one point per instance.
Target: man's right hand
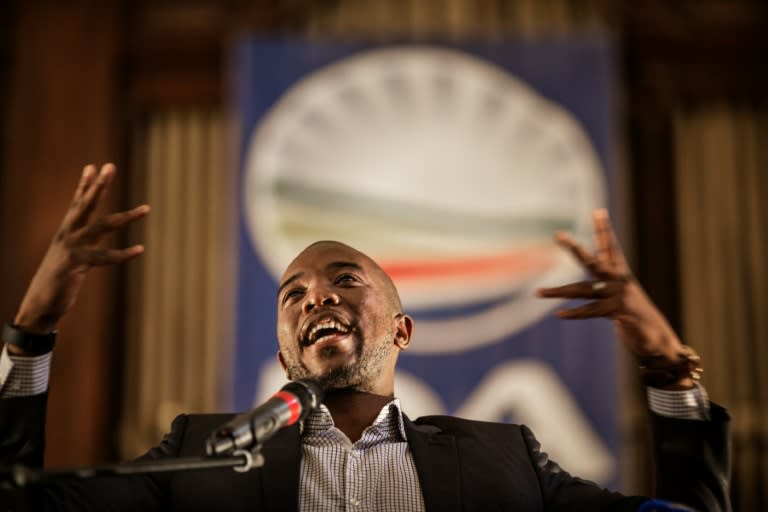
(73, 251)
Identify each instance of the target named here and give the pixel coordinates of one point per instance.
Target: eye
(346, 279)
(291, 295)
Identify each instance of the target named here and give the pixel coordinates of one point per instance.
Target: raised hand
(614, 293)
(73, 251)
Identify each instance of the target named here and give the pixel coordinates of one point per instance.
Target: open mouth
(325, 330)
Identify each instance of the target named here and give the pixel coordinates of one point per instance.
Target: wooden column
(62, 111)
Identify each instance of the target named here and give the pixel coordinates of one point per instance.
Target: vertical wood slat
(178, 348)
(724, 244)
(166, 336)
(756, 223)
(221, 263)
(139, 307)
(714, 207)
(150, 302)
(192, 259)
(756, 186)
(733, 334)
(211, 227)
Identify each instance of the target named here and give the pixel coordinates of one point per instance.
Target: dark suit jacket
(461, 464)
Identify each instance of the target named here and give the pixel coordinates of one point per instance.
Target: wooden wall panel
(61, 113)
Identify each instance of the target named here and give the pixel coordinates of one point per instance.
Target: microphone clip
(253, 459)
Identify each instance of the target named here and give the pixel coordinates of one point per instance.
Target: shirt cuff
(688, 404)
(23, 375)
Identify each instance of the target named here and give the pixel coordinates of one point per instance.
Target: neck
(354, 411)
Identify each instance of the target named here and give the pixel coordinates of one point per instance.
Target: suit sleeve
(693, 460)
(22, 430)
(692, 467)
(22, 427)
(561, 491)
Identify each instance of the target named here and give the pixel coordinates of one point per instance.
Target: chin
(341, 377)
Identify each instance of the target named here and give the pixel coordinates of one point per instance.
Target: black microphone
(289, 405)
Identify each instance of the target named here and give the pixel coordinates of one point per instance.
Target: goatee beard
(358, 376)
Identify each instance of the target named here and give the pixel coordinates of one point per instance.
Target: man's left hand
(614, 293)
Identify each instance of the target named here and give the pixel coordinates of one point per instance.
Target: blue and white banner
(452, 166)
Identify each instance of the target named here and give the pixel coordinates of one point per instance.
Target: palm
(74, 250)
(614, 293)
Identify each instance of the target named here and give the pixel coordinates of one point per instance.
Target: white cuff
(688, 404)
(23, 375)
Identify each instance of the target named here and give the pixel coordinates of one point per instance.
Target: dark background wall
(76, 78)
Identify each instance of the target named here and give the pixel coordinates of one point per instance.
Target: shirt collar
(390, 419)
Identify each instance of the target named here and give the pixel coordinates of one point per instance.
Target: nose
(319, 297)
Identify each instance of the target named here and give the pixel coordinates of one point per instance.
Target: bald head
(388, 288)
(340, 320)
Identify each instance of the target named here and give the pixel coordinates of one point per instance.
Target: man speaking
(341, 327)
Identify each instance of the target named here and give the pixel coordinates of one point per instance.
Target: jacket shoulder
(456, 425)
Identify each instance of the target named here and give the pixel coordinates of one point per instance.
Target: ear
(282, 363)
(404, 331)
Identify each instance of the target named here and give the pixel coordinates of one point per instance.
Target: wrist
(35, 316)
(684, 384)
(20, 341)
(680, 372)
(15, 350)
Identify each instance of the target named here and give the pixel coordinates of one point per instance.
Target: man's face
(339, 320)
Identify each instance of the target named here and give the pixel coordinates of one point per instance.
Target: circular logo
(447, 170)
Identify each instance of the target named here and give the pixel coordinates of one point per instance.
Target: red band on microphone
(293, 405)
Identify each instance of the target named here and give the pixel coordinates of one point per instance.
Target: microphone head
(308, 392)
(292, 403)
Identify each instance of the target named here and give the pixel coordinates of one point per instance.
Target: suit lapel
(280, 474)
(437, 465)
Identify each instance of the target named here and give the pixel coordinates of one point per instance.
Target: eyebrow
(288, 281)
(334, 265)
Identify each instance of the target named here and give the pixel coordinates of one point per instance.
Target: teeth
(325, 324)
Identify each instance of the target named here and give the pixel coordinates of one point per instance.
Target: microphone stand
(19, 478)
